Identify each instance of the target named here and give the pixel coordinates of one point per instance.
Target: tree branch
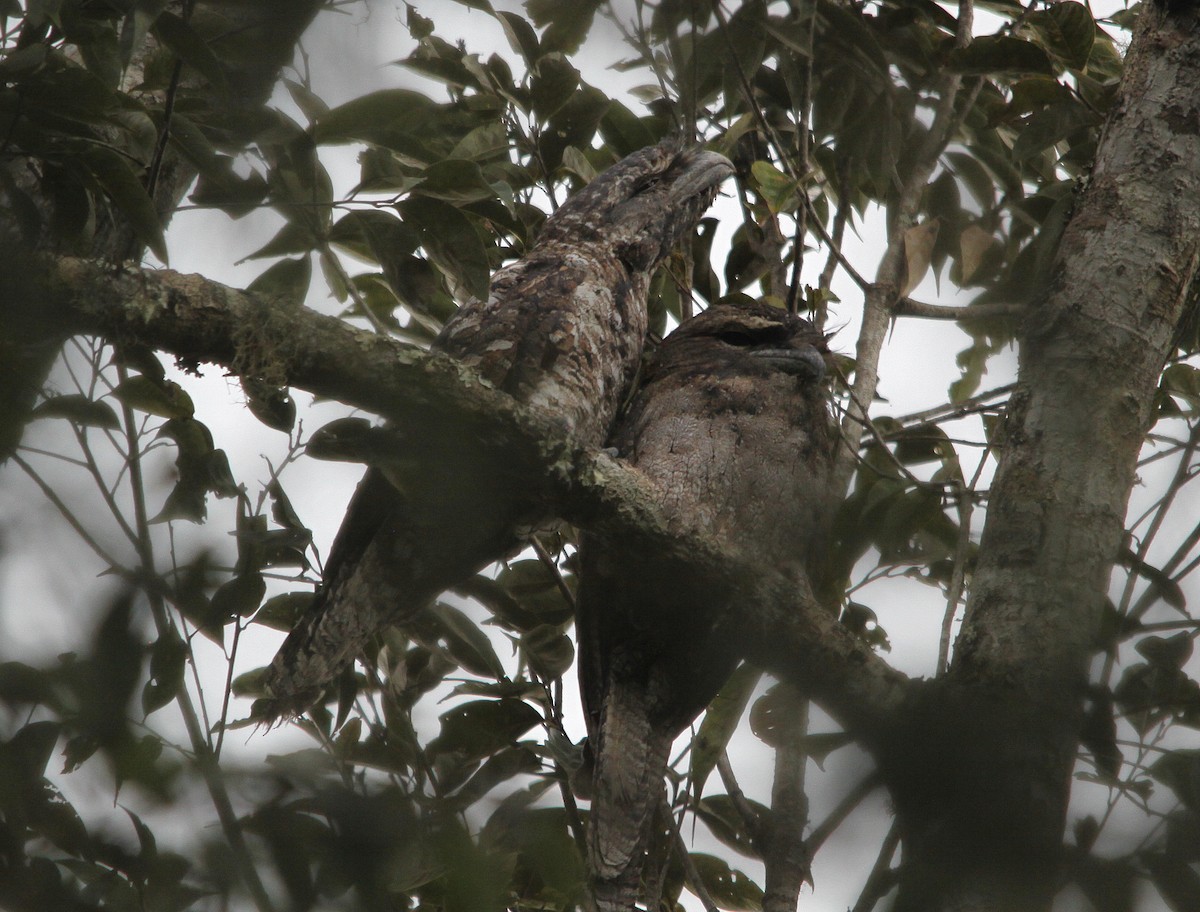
(778, 623)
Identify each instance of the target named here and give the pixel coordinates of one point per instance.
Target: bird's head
(751, 339)
(643, 206)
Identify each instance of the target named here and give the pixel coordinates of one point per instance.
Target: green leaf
(451, 242)
(483, 727)
(283, 612)
(999, 54)
(723, 817)
(467, 643)
(720, 722)
(168, 658)
(1068, 32)
(455, 181)
(122, 186)
(776, 188)
(165, 399)
(729, 887)
(286, 281)
(549, 651)
(78, 409)
(189, 47)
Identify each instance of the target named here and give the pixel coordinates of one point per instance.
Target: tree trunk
(981, 781)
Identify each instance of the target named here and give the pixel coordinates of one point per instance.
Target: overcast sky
(47, 578)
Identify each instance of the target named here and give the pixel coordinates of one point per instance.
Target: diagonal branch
(780, 627)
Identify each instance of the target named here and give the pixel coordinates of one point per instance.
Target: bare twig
(844, 809)
(907, 307)
(881, 878)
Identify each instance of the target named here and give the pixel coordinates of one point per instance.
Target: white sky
(47, 578)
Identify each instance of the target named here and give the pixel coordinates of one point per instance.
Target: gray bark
(980, 770)
(782, 628)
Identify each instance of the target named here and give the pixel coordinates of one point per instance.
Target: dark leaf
(283, 612)
(165, 399)
(720, 722)
(567, 22)
(999, 54)
(469, 645)
(554, 82)
(498, 768)
(1067, 30)
(1050, 126)
(1180, 771)
(167, 662)
(722, 816)
(1176, 881)
(123, 187)
(191, 48)
(79, 410)
(451, 242)
(1166, 652)
(478, 729)
(240, 597)
(455, 181)
(548, 650)
(286, 281)
(729, 887)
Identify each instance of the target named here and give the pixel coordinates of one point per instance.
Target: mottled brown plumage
(732, 425)
(562, 329)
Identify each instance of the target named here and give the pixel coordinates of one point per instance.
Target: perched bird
(562, 329)
(731, 424)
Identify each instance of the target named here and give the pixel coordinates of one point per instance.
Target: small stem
(844, 808)
(205, 760)
(881, 878)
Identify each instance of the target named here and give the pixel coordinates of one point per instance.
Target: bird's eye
(737, 338)
(646, 183)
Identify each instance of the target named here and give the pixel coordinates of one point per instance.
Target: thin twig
(690, 873)
(881, 878)
(844, 809)
(954, 593)
(750, 819)
(907, 307)
(205, 761)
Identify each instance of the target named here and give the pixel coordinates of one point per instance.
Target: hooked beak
(701, 171)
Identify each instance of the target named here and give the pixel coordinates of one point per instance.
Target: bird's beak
(701, 171)
(807, 362)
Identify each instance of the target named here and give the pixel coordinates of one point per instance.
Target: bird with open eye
(732, 426)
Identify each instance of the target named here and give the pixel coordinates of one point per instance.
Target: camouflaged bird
(731, 425)
(562, 329)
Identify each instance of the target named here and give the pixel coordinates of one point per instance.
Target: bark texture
(731, 426)
(980, 769)
(562, 330)
(253, 40)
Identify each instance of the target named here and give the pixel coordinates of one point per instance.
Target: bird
(562, 330)
(731, 426)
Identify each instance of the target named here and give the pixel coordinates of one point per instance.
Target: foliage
(830, 112)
